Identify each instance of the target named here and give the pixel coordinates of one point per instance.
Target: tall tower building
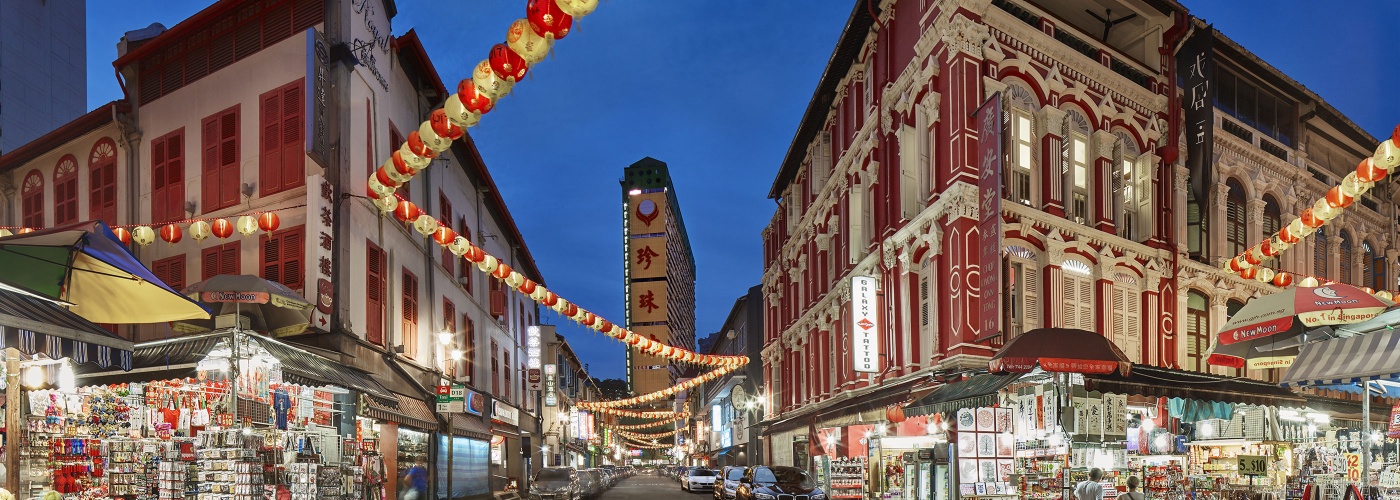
(43, 68)
(659, 272)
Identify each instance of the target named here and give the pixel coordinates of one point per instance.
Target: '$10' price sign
(1353, 467)
(1253, 465)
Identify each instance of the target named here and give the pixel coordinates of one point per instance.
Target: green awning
(976, 392)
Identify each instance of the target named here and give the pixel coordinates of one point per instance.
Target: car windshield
(786, 475)
(735, 474)
(552, 475)
(702, 472)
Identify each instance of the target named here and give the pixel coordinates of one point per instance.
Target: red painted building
(881, 181)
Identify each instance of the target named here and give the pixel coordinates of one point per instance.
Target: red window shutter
(270, 143)
(498, 303)
(449, 316)
(222, 259)
(32, 194)
(65, 190)
(102, 180)
(445, 214)
(469, 347)
(408, 332)
(466, 232)
(171, 270)
(209, 163)
(374, 294)
(293, 148)
(175, 176)
(220, 166)
(281, 257)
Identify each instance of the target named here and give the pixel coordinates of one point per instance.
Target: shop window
(221, 179)
(221, 259)
(65, 191)
(1197, 331)
(102, 181)
(32, 196)
(408, 328)
(282, 151)
(168, 177)
(376, 283)
(280, 255)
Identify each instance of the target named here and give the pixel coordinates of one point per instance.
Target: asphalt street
(651, 487)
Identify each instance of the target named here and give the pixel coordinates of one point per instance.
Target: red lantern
(25, 230)
(415, 145)
(474, 101)
(1283, 279)
(1267, 248)
(170, 233)
(1286, 235)
(221, 228)
(1236, 265)
(406, 211)
(400, 164)
(1395, 135)
(502, 270)
(589, 319)
(443, 127)
(269, 221)
(1367, 171)
(507, 64)
(1311, 220)
(570, 310)
(1251, 258)
(636, 339)
(122, 234)
(550, 299)
(604, 325)
(444, 235)
(383, 176)
(547, 20)
(1336, 199)
(1249, 273)
(528, 286)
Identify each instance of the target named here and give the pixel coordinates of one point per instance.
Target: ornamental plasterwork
(1050, 120)
(929, 106)
(1043, 47)
(963, 35)
(1104, 141)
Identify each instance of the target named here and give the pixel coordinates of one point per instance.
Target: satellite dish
(738, 396)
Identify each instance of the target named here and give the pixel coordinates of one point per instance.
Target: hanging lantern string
(1343, 195)
(179, 222)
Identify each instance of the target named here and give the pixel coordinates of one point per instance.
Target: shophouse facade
(727, 410)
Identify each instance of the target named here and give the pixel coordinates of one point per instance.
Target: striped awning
(35, 326)
(1374, 356)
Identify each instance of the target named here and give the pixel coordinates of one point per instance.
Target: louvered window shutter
(374, 294)
(1030, 293)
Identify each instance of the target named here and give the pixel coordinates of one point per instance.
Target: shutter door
(1030, 294)
(1086, 304)
(209, 164)
(270, 163)
(1134, 326)
(374, 295)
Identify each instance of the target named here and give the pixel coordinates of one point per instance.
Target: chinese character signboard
(989, 131)
(865, 324)
(550, 379)
(320, 230)
(648, 259)
(533, 356)
(317, 139)
(1196, 68)
(648, 301)
(647, 214)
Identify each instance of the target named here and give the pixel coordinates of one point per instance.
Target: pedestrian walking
(415, 484)
(1090, 489)
(1133, 493)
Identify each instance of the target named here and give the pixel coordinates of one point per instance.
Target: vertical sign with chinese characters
(532, 356)
(1195, 65)
(320, 197)
(317, 128)
(550, 374)
(989, 137)
(865, 324)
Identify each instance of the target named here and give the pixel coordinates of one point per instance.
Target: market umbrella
(86, 267)
(269, 306)
(1270, 329)
(1062, 350)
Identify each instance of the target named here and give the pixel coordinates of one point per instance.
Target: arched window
(1023, 291)
(1236, 236)
(65, 191)
(1131, 193)
(1320, 252)
(1075, 166)
(1078, 291)
(102, 181)
(1344, 259)
(32, 197)
(1369, 266)
(1273, 220)
(1232, 306)
(1021, 179)
(1197, 330)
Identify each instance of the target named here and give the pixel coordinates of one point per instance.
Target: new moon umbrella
(1272, 327)
(1061, 350)
(87, 267)
(270, 306)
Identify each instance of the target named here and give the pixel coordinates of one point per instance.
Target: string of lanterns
(646, 436)
(198, 229)
(1383, 162)
(670, 415)
(649, 446)
(664, 393)
(648, 425)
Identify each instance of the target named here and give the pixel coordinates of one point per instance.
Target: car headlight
(763, 496)
(817, 495)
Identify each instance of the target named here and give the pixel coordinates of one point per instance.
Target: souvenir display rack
(848, 478)
(232, 469)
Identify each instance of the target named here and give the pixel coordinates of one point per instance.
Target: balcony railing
(1118, 62)
(1237, 130)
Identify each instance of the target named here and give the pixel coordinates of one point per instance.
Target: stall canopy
(178, 358)
(35, 326)
(975, 392)
(405, 410)
(1374, 356)
(1164, 382)
(1064, 350)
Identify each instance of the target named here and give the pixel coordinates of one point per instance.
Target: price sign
(1253, 465)
(1353, 467)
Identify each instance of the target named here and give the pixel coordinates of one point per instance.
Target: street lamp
(446, 337)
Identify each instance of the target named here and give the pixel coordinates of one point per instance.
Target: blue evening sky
(716, 90)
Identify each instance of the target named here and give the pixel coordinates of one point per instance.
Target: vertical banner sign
(989, 141)
(320, 252)
(1196, 67)
(865, 324)
(550, 371)
(1394, 429)
(317, 138)
(532, 356)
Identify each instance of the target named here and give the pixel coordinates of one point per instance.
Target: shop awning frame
(852, 404)
(410, 411)
(33, 325)
(975, 392)
(1155, 381)
(1351, 360)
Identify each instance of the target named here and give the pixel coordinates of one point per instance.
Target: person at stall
(1133, 493)
(1090, 489)
(415, 484)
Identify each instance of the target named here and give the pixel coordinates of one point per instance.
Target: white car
(698, 479)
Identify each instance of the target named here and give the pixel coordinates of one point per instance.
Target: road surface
(651, 487)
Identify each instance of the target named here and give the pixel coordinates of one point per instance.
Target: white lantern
(458, 114)
(379, 188)
(1308, 282)
(144, 235)
(1264, 275)
(487, 83)
(459, 246)
(514, 280)
(412, 159)
(246, 225)
(524, 41)
(1387, 155)
(487, 264)
(387, 204)
(426, 225)
(200, 230)
(431, 139)
(577, 8)
(1325, 212)
(1384, 295)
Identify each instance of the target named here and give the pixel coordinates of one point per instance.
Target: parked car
(611, 474)
(555, 483)
(768, 483)
(698, 479)
(591, 483)
(727, 482)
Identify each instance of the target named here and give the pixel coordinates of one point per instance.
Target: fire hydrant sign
(1253, 465)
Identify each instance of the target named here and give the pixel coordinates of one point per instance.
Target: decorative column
(1103, 303)
(1218, 216)
(1179, 198)
(1050, 133)
(1254, 220)
(1151, 300)
(1107, 201)
(1219, 313)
